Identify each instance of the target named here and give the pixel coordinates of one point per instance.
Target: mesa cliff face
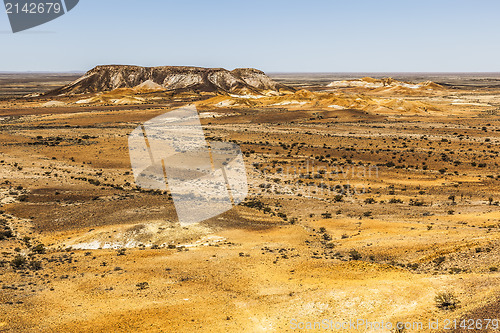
(170, 78)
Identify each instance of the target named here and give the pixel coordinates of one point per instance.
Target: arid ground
(366, 202)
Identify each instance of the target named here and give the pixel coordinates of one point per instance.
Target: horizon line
(280, 72)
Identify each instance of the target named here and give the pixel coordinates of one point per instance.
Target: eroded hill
(170, 78)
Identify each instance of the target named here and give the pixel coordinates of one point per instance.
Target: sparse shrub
(282, 216)
(493, 269)
(19, 262)
(35, 265)
(94, 182)
(121, 252)
(39, 249)
(416, 203)
(370, 201)
(7, 233)
(338, 198)
(142, 285)
(446, 301)
(26, 240)
(438, 261)
(354, 255)
(413, 266)
(255, 203)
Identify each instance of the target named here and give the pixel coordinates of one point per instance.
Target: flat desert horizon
(22, 83)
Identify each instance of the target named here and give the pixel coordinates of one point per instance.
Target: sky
(272, 35)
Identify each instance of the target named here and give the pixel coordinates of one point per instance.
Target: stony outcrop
(240, 81)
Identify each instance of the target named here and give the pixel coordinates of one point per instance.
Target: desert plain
(369, 198)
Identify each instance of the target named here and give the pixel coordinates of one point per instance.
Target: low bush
(446, 301)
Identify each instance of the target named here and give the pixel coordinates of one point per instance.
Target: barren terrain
(366, 202)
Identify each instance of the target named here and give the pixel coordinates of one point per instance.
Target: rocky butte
(241, 81)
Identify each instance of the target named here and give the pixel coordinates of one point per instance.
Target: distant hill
(242, 81)
(388, 85)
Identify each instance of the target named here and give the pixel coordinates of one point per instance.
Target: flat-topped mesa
(240, 81)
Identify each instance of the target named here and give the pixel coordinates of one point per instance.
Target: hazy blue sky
(273, 35)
